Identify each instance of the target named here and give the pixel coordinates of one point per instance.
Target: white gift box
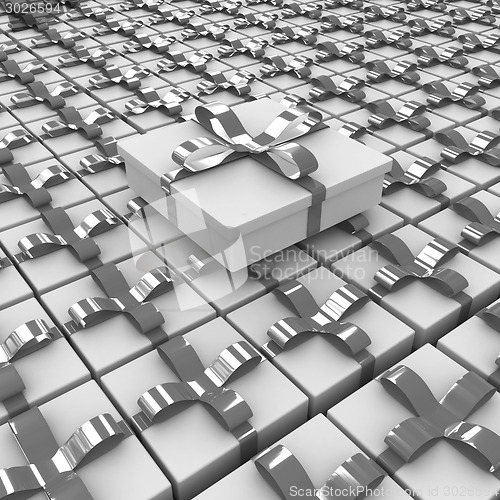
(46, 373)
(321, 367)
(31, 152)
(442, 470)
(14, 288)
(430, 312)
(124, 471)
(266, 223)
(190, 445)
(321, 449)
(450, 225)
(115, 341)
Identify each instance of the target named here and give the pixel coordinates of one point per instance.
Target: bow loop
(484, 226)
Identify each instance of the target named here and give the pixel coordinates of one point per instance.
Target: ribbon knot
(472, 43)
(112, 25)
(409, 115)
(196, 62)
(305, 35)
(164, 14)
(216, 81)
(435, 5)
(488, 76)
(295, 66)
(352, 4)
(328, 51)
(452, 56)
(158, 44)
(107, 157)
(481, 15)
(276, 3)
(424, 266)
(94, 13)
(293, 9)
(148, 99)
(378, 38)
(133, 302)
(437, 419)
(141, 4)
(402, 71)
(281, 469)
(464, 94)
(11, 70)
(255, 47)
(213, 6)
(265, 21)
(214, 31)
(483, 147)
(52, 469)
(81, 55)
(52, 36)
(376, 13)
(349, 88)
(421, 27)
(39, 93)
(111, 74)
(204, 385)
(12, 140)
(330, 23)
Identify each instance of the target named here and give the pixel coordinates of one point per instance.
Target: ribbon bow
(214, 31)
(107, 157)
(488, 76)
(329, 23)
(276, 65)
(196, 62)
(403, 71)
(484, 226)
(293, 9)
(472, 43)
(435, 5)
(158, 44)
(325, 88)
(281, 469)
(34, 190)
(483, 147)
(133, 302)
(39, 21)
(81, 55)
(481, 15)
(213, 6)
(463, 94)
(328, 51)
(140, 4)
(325, 320)
(65, 40)
(11, 70)
(78, 239)
(14, 139)
(94, 13)
(253, 48)
(216, 81)
(452, 56)
(352, 4)
(204, 385)
(130, 78)
(378, 38)
(265, 21)
(409, 115)
(437, 419)
(272, 147)
(416, 176)
(421, 27)
(112, 25)
(39, 93)
(276, 3)
(52, 469)
(148, 99)
(7, 48)
(305, 35)
(424, 266)
(164, 14)
(376, 13)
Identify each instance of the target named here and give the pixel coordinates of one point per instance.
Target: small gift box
(241, 404)
(317, 458)
(291, 204)
(409, 272)
(473, 224)
(430, 423)
(14, 288)
(121, 312)
(17, 145)
(77, 446)
(354, 339)
(41, 366)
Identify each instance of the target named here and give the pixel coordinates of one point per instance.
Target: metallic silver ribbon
(488, 76)
(50, 468)
(422, 27)
(437, 419)
(351, 51)
(325, 320)
(464, 94)
(213, 6)
(376, 13)
(435, 5)
(158, 44)
(16, 138)
(37, 93)
(286, 475)
(215, 81)
(452, 56)
(481, 15)
(111, 74)
(266, 21)
(472, 43)
(356, 225)
(149, 99)
(196, 62)
(331, 22)
(107, 157)
(204, 385)
(378, 38)
(403, 71)
(352, 4)
(51, 36)
(254, 47)
(94, 13)
(325, 88)
(286, 34)
(295, 66)
(163, 14)
(409, 115)
(9, 47)
(81, 55)
(491, 316)
(11, 70)
(111, 25)
(214, 31)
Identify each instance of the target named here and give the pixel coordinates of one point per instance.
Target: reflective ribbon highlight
(37, 92)
(452, 56)
(106, 158)
(409, 115)
(464, 94)
(111, 74)
(483, 147)
(196, 62)
(216, 81)
(148, 99)
(403, 71)
(294, 66)
(17, 138)
(351, 51)
(286, 34)
(255, 47)
(349, 88)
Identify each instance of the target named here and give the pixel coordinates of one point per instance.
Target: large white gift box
(269, 211)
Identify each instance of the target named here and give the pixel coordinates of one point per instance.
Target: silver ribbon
(52, 469)
(325, 88)
(163, 14)
(424, 266)
(107, 157)
(437, 419)
(37, 93)
(294, 9)
(196, 62)
(295, 66)
(403, 71)
(11, 70)
(141, 4)
(254, 47)
(94, 13)
(464, 94)
(325, 320)
(472, 43)
(286, 34)
(204, 385)
(435, 5)
(452, 56)
(17, 138)
(111, 25)
(133, 302)
(212, 6)
(483, 147)
(378, 38)
(158, 44)
(148, 99)
(352, 4)
(130, 78)
(81, 55)
(353, 24)
(285, 474)
(376, 13)
(409, 115)
(9, 47)
(266, 21)
(328, 51)
(214, 31)
(422, 27)
(216, 81)
(51, 36)
(488, 76)
(491, 316)
(481, 15)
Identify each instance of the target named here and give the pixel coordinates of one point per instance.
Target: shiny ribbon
(216, 81)
(491, 316)
(81, 55)
(295, 66)
(483, 147)
(36, 20)
(376, 13)
(17, 138)
(121, 299)
(51, 36)
(111, 25)
(213, 6)
(452, 56)
(481, 15)
(71, 121)
(425, 266)
(409, 115)
(204, 385)
(325, 320)
(488, 76)
(255, 47)
(34, 190)
(213, 31)
(330, 23)
(422, 27)
(356, 226)
(9, 48)
(158, 44)
(353, 130)
(293, 9)
(357, 476)
(305, 35)
(78, 239)
(52, 469)
(140, 4)
(107, 157)
(275, 3)
(472, 43)
(352, 4)
(328, 51)
(196, 62)
(111, 74)
(265, 21)
(403, 71)
(378, 38)
(325, 88)
(94, 13)
(435, 5)
(164, 15)
(11, 70)
(464, 94)
(37, 92)
(148, 99)
(437, 419)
